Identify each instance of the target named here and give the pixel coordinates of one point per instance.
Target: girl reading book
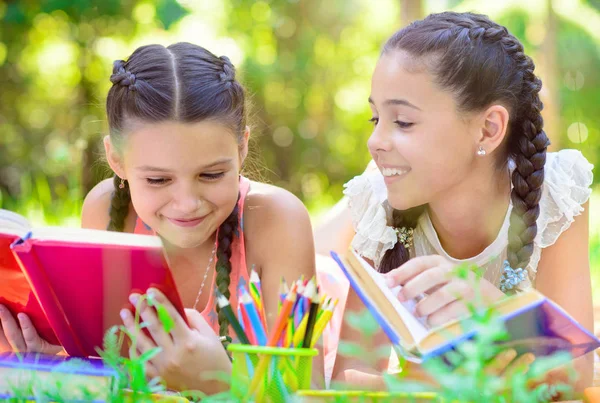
(177, 144)
(460, 174)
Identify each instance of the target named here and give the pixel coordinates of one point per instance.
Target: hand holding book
(186, 352)
(22, 336)
(533, 322)
(442, 295)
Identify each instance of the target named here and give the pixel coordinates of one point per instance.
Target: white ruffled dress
(568, 176)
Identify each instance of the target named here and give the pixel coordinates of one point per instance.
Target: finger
(139, 340)
(33, 341)
(197, 322)
(151, 370)
(4, 344)
(520, 365)
(410, 269)
(180, 327)
(500, 362)
(447, 313)
(12, 331)
(154, 326)
(448, 293)
(423, 282)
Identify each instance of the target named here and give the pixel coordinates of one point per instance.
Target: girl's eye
(403, 125)
(374, 120)
(156, 181)
(212, 176)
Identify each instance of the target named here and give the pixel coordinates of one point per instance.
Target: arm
(564, 276)
(94, 213)
(334, 230)
(352, 370)
(279, 242)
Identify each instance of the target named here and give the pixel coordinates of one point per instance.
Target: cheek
(223, 196)
(146, 201)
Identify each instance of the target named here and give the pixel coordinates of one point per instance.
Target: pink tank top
(239, 271)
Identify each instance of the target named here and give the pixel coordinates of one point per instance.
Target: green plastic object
(288, 370)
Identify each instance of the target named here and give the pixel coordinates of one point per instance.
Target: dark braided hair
(119, 205)
(184, 83)
(481, 63)
(225, 237)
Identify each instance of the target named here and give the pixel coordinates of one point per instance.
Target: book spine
(24, 251)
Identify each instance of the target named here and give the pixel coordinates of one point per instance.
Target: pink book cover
(15, 292)
(82, 279)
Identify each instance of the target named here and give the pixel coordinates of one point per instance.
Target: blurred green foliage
(306, 64)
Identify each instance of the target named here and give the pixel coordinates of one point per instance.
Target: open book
(535, 323)
(81, 278)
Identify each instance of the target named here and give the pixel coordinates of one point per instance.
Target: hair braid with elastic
(529, 154)
(527, 145)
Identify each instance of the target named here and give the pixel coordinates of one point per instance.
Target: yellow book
(535, 323)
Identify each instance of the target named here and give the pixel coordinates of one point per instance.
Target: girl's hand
(22, 336)
(188, 354)
(445, 294)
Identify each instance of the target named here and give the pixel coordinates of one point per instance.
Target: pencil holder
(357, 396)
(269, 374)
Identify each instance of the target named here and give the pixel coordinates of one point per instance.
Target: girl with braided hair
(460, 174)
(178, 140)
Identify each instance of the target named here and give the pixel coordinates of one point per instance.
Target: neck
(181, 258)
(467, 218)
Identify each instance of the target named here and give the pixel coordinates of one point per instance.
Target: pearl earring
(481, 152)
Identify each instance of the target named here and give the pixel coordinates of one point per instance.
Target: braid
(223, 267)
(481, 63)
(399, 254)
(527, 145)
(119, 205)
(529, 153)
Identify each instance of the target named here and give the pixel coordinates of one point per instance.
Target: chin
(183, 243)
(401, 202)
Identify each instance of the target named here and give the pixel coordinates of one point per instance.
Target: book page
(414, 325)
(94, 236)
(13, 223)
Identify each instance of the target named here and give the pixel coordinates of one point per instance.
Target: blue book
(534, 323)
(30, 376)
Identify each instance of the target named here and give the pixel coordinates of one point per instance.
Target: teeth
(393, 171)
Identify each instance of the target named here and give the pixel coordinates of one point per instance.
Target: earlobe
(494, 128)
(113, 158)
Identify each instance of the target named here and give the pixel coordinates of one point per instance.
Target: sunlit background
(307, 64)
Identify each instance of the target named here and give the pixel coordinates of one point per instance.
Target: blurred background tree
(307, 64)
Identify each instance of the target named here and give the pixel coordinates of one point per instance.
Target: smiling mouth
(391, 172)
(186, 222)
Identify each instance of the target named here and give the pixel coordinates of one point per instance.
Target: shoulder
(268, 206)
(96, 206)
(569, 166)
(567, 187)
(276, 225)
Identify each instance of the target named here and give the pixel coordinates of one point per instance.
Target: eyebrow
(397, 102)
(149, 168)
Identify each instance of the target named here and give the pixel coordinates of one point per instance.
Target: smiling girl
(178, 140)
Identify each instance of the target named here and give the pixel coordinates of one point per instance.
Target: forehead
(171, 144)
(399, 75)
